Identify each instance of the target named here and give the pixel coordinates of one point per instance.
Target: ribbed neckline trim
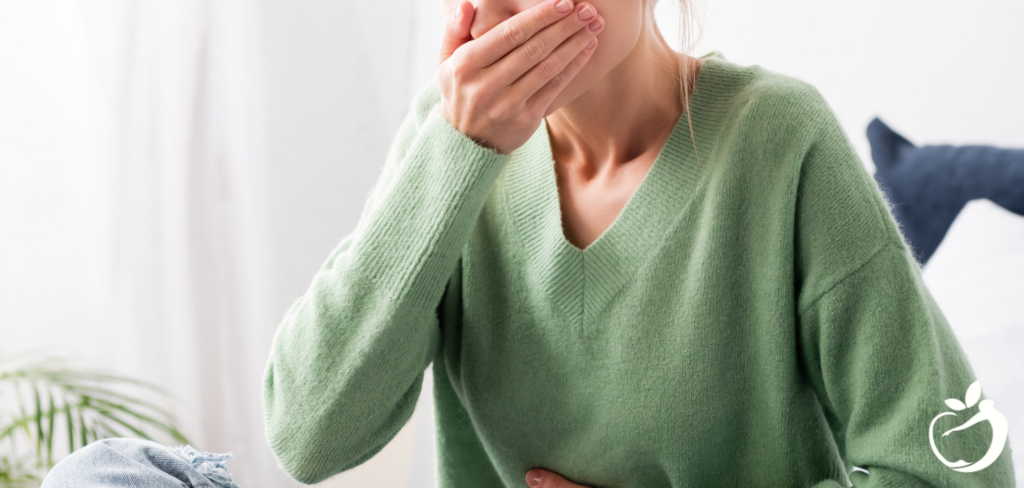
(583, 282)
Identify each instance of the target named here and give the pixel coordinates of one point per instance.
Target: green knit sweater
(752, 318)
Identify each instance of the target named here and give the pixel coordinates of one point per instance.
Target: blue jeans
(121, 462)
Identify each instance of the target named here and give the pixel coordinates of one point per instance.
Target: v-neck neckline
(583, 281)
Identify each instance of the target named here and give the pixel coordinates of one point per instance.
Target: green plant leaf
(113, 417)
(106, 429)
(39, 425)
(49, 430)
(71, 426)
(94, 405)
(83, 426)
(162, 425)
(80, 389)
(9, 429)
(21, 406)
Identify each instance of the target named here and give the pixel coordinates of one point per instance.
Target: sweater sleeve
(346, 365)
(876, 348)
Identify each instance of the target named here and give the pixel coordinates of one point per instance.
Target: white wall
(939, 71)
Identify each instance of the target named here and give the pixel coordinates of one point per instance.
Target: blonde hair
(689, 35)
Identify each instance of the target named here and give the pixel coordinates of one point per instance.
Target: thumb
(539, 478)
(456, 29)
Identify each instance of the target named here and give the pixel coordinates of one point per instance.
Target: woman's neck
(627, 115)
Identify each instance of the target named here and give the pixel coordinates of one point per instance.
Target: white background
(172, 173)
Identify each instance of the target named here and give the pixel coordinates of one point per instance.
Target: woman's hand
(497, 88)
(540, 478)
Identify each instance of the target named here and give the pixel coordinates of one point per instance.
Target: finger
(540, 478)
(543, 98)
(537, 49)
(566, 63)
(456, 29)
(514, 31)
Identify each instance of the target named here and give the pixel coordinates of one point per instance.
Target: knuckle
(549, 68)
(492, 115)
(476, 95)
(533, 51)
(557, 82)
(459, 68)
(513, 33)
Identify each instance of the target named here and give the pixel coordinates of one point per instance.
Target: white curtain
(134, 233)
(148, 223)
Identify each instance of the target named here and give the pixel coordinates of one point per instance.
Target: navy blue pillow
(929, 185)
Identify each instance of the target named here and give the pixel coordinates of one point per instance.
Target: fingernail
(458, 12)
(586, 13)
(534, 479)
(591, 45)
(595, 25)
(563, 6)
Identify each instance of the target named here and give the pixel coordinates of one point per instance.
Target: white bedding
(977, 278)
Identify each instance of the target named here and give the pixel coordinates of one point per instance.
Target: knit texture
(752, 318)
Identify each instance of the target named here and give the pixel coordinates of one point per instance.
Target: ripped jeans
(122, 462)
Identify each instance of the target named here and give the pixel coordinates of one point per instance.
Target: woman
(629, 268)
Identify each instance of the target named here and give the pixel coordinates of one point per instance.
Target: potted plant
(49, 409)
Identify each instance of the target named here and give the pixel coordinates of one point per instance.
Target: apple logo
(987, 411)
